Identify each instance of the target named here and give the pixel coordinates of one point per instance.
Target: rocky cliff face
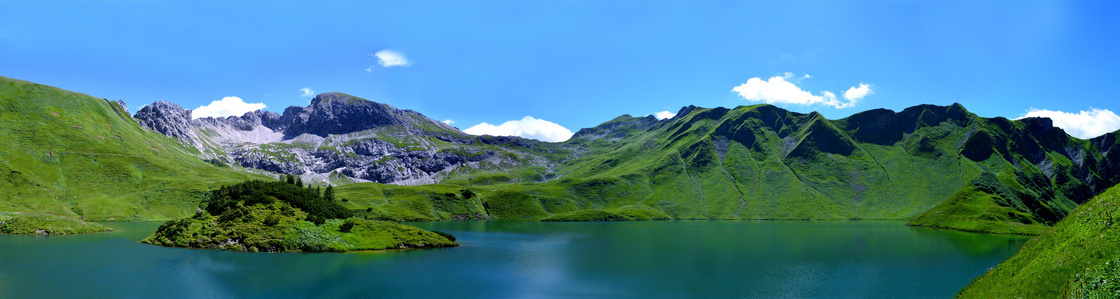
(167, 118)
(344, 135)
(336, 113)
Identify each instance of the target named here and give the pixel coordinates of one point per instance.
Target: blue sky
(576, 64)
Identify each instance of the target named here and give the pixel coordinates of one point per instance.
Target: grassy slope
(47, 224)
(998, 205)
(625, 214)
(976, 211)
(76, 156)
(762, 162)
(504, 201)
(1046, 266)
(411, 203)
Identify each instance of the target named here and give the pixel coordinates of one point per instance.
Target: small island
(285, 216)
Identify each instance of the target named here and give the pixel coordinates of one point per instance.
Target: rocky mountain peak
(337, 99)
(270, 120)
(335, 134)
(167, 118)
(339, 113)
(685, 110)
(618, 127)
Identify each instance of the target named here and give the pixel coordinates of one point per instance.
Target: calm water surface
(521, 259)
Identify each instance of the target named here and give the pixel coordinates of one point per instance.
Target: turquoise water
(522, 259)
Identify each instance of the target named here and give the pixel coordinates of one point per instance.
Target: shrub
(272, 220)
(347, 226)
(445, 235)
(228, 198)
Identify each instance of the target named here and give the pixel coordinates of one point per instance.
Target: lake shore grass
(1069, 260)
(47, 224)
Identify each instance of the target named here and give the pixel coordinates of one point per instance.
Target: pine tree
(329, 193)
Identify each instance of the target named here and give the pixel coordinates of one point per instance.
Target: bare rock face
(338, 133)
(167, 118)
(123, 105)
(337, 113)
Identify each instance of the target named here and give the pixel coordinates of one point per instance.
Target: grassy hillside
(502, 201)
(47, 224)
(988, 205)
(1077, 258)
(73, 155)
(84, 158)
(942, 165)
(763, 162)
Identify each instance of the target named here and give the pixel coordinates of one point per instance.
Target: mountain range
(73, 155)
(340, 134)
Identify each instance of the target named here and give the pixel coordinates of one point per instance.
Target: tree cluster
(226, 199)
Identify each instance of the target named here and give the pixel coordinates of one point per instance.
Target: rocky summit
(342, 137)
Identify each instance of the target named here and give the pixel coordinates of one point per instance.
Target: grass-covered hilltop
(275, 216)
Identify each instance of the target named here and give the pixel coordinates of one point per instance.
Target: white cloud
(369, 69)
(527, 127)
(307, 92)
(1083, 124)
(227, 106)
(777, 90)
(856, 93)
(664, 115)
(390, 58)
(448, 122)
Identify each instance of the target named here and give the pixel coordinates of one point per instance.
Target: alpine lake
(527, 259)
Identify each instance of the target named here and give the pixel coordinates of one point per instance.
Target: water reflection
(972, 244)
